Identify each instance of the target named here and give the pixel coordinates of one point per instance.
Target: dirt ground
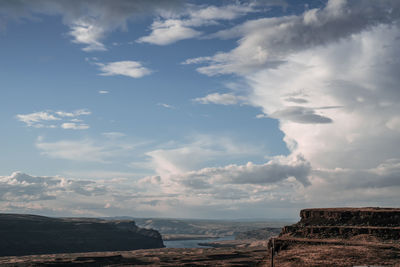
(296, 255)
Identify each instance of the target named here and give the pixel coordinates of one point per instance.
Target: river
(193, 243)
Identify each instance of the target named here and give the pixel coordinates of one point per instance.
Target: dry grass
(336, 255)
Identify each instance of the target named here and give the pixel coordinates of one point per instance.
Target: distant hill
(31, 234)
(259, 234)
(189, 228)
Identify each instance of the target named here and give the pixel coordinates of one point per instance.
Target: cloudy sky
(198, 109)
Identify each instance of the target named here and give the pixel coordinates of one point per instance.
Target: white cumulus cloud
(329, 77)
(128, 68)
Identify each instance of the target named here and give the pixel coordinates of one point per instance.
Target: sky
(198, 109)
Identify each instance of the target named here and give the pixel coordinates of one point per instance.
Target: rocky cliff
(349, 226)
(31, 234)
(347, 223)
(340, 237)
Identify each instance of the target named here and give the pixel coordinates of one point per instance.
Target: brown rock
(340, 237)
(345, 223)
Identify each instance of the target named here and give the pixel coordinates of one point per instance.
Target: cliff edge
(32, 234)
(378, 224)
(340, 237)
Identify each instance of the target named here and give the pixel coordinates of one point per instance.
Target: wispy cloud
(86, 150)
(55, 119)
(133, 69)
(261, 116)
(35, 119)
(300, 115)
(222, 99)
(75, 113)
(166, 105)
(89, 22)
(199, 151)
(113, 135)
(171, 28)
(84, 31)
(103, 92)
(167, 32)
(74, 126)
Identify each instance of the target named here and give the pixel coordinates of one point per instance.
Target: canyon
(322, 237)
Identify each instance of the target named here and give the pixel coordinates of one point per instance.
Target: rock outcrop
(342, 225)
(31, 234)
(346, 223)
(340, 237)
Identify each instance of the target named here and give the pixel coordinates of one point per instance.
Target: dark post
(272, 252)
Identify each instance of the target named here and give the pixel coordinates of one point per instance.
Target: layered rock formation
(340, 237)
(31, 234)
(382, 224)
(360, 229)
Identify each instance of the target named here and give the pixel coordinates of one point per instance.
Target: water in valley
(193, 243)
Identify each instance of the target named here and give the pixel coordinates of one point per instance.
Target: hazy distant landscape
(192, 233)
(173, 229)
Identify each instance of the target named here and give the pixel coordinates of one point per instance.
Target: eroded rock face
(346, 223)
(31, 234)
(340, 237)
(386, 217)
